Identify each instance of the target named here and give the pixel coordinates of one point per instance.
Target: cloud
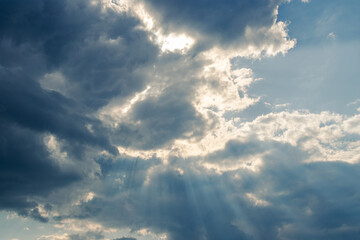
(248, 27)
(109, 128)
(27, 170)
(162, 119)
(281, 198)
(332, 35)
(87, 236)
(73, 48)
(84, 236)
(52, 82)
(125, 238)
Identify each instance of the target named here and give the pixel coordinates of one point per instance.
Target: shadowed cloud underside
(134, 119)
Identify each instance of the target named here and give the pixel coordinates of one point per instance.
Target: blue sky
(149, 120)
(322, 68)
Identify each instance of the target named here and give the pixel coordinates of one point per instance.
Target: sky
(178, 120)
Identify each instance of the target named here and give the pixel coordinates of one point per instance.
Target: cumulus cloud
(126, 116)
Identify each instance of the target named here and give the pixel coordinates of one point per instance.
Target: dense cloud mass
(226, 23)
(223, 20)
(113, 128)
(52, 80)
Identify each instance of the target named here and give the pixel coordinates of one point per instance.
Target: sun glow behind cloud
(151, 120)
(176, 42)
(170, 42)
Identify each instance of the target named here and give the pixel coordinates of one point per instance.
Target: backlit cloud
(134, 120)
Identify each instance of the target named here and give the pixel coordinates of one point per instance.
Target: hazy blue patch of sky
(322, 72)
(13, 226)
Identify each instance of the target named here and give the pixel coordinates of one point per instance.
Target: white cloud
(148, 233)
(352, 125)
(332, 35)
(322, 135)
(64, 236)
(355, 102)
(275, 40)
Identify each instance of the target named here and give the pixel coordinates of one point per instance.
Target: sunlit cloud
(148, 120)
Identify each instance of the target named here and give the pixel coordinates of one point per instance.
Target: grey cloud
(125, 238)
(234, 150)
(302, 199)
(24, 102)
(103, 55)
(87, 236)
(166, 205)
(162, 119)
(35, 214)
(26, 171)
(215, 21)
(74, 39)
(101, 69)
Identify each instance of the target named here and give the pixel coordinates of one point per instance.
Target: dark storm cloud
(98, 53)
(24, 102)
(75, 39)
(103, 69)
(214, 20)
(26, 170)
